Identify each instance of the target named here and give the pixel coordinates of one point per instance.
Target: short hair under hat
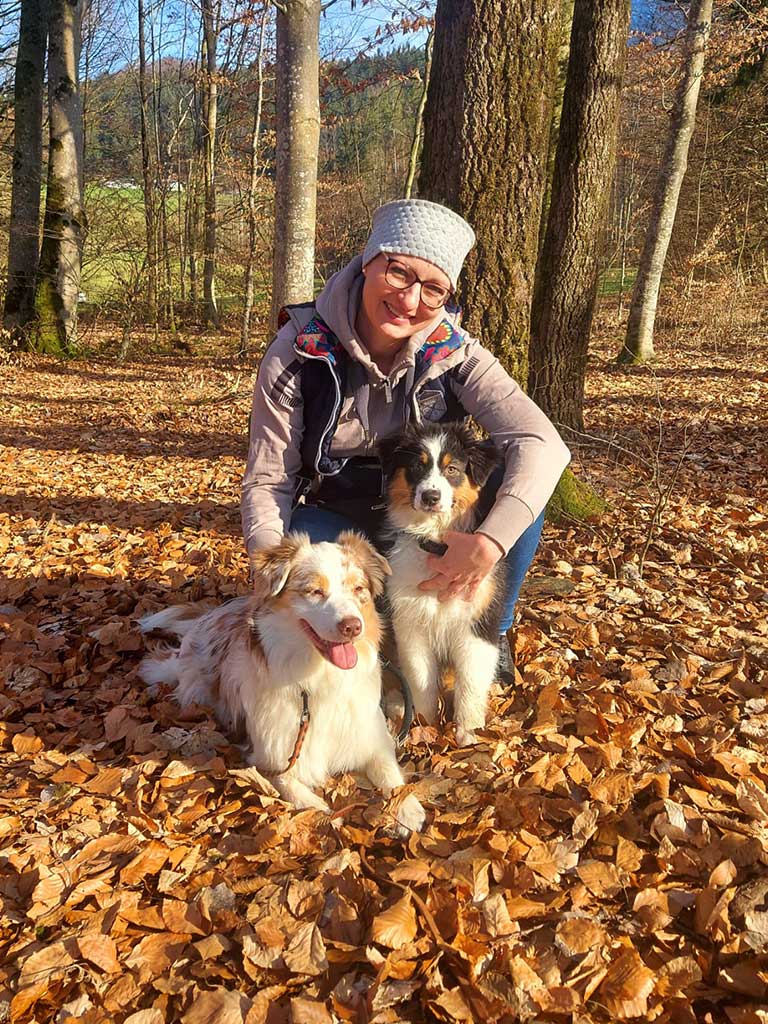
(429, 231)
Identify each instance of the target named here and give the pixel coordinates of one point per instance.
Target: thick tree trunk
(298, 138)
(245, 326)
(638, 344)
(24, 242)
(566, 281)
(64, 225)
(485, 141)
(147, 172)
(210, 29)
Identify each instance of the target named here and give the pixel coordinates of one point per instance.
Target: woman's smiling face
(396, 313)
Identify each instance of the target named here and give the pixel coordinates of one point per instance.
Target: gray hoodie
(376, 405)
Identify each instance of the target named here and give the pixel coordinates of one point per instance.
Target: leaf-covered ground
(600, 856)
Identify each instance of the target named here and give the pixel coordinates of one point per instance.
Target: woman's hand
(463, 567)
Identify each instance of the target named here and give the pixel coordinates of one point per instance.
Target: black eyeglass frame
(416, 278)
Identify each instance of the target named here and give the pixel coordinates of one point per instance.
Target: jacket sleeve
(274, 449)
(534, 452)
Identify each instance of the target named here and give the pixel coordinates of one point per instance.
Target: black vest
(324, 365)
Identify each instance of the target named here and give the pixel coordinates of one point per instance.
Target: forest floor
(599, 856)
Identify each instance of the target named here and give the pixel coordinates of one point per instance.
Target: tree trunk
(210, 108)
(558, 93)
(251, 196)
(298, 138)
(64, 226)
(147, 172)
(638, 344)
(566, 281)
(24, 242)
(485, 140)
(418, 128)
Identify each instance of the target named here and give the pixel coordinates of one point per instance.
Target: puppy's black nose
(430, 499)
(349, 627)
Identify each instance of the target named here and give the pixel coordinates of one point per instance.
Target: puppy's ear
(271, 567)
(484, 457)
(374, 565)
(393, 451)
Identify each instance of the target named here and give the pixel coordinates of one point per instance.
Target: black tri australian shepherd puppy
(434, 475)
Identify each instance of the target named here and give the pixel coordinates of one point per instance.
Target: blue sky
(344, 30)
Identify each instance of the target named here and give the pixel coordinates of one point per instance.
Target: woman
(381, 345)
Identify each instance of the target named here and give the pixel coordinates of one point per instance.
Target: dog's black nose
(350, 627)
(430, 499)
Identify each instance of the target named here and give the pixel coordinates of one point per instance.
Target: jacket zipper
(336, 407)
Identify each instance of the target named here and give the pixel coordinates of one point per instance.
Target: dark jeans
(323, 524)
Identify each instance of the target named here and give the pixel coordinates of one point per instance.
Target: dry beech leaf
(752, 799)
(496, 916)
(153, 1016)
(305, 953)
(577, 935)
(308, 1011)
(27, 743)
(217, 1006)
(453, 1005)
(50, 962)
(600, 877)
(625, 988)
(396, 925)
(99, 950)
(723, 874)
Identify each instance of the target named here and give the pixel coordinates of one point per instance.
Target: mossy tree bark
(26, 175)
(486, 128)
(64, 226)
(298, 137)
(638, 343)
(566, 281)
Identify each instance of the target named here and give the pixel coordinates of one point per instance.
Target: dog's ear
(270, 568)
(393, 451)
(374, 565)
(484, 457)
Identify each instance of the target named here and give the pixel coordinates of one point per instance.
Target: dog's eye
(317, 593)
(360, 589)
(453, 471)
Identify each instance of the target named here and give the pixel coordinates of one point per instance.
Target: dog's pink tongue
(343, 655)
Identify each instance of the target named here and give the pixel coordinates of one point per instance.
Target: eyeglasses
(401, 277)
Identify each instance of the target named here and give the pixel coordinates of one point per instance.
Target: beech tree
(567, 275)
(211, 15)
(297, 124)
(148, 172)
(638, 343)
(486, 128)
(26, 179)
(64, 225)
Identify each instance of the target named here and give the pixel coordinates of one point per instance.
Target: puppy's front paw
(465, 737)
(313, 802)
(411, 817)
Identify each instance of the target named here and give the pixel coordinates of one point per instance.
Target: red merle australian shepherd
(434, 475)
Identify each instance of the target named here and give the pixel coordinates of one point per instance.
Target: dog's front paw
(465, 737)
(411, 817)
(313, 802)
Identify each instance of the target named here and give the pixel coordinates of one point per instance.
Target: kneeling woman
(379, 348)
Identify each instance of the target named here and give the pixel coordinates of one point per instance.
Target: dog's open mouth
(342, 655)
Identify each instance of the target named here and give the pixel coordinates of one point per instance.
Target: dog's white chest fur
(430, 632)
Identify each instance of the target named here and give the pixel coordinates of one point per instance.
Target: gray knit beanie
(416, 227)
